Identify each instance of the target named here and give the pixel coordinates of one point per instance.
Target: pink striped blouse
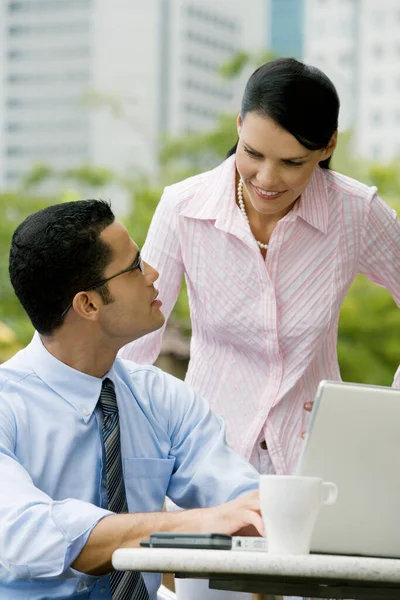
(264, 332)
(396, 381)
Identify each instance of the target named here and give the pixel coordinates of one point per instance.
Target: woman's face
(274, 166)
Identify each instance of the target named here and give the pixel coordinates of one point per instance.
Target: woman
(269, 243)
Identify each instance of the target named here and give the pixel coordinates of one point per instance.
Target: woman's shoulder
(339, 185)
(182, 192)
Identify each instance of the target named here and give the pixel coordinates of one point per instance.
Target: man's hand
(241, 515)
(127, 530)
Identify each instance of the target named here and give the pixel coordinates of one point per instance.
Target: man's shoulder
(146, 374)
(15, 371)
(124, 366)
(150, 385)
(16, 378)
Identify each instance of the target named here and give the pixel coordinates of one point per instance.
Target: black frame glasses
(138, 265)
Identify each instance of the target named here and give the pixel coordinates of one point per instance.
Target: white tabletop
(344, 568)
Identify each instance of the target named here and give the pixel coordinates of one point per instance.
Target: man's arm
(41, 538)
(127, 530)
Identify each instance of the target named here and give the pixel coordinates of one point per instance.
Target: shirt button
(81, 586)
(263, 445)
(85, 412)
(103, 590)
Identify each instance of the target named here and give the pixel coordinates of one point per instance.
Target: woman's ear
(331, 146)
(239, 122)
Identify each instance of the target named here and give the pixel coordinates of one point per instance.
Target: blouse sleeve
(162, 250)
(396, 381)
(380, 247)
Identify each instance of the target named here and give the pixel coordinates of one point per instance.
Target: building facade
(357, 43)
(285, 26)
(94, 81)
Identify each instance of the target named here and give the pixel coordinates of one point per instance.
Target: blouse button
(263, 445)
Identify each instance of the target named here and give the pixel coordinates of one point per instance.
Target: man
(90, 444)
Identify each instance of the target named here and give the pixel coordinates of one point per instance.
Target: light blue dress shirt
(53, 488)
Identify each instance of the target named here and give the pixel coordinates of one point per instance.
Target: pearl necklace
(243, 210)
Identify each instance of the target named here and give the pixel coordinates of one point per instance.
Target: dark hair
(55, 253)
(299, 98)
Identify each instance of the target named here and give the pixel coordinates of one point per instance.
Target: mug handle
(329, 492)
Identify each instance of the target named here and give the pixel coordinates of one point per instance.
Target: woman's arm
(162, 251)
(380, 247)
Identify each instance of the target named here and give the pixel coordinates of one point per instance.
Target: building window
(51, 126)
(13, 175)
(48, 151)
(42, 103)
(53, 28)
(48, 78)
(43, 5)
(49, 54)
(200, 111)
(201, 63)
(202, 15)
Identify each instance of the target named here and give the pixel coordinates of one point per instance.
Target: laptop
(353, 439)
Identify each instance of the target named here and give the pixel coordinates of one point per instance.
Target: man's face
(134, 310)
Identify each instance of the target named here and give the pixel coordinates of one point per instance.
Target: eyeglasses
(138, 265)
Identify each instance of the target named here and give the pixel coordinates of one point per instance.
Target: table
(316, 576)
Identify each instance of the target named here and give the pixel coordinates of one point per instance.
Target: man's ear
(86, 305)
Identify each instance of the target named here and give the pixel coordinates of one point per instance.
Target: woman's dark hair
(299, 98)
(56, 253)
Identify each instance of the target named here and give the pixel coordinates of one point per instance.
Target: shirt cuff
(76, 519)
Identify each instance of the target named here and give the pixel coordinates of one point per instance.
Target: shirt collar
(216, 200)
(80, 390)
(313, 205)
(210, 200)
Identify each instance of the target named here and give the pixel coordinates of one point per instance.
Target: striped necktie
(125, 585)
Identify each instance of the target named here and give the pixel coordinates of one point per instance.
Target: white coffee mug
(289, 506)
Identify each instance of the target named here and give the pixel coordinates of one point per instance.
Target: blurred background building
(100, 82)
(357, 43)
(285, 27)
